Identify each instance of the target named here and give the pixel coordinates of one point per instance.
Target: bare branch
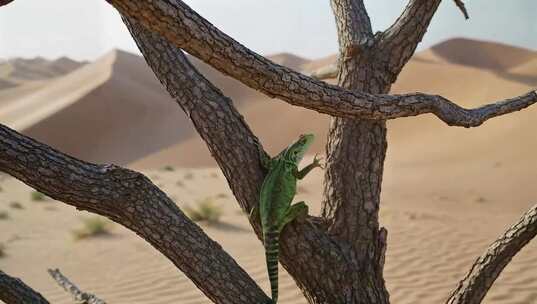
(130, 199)
(14, 291)
(462, 7)
(78, 295)
(221, 126)
(400, 40)
(473, 288)
(451, 113)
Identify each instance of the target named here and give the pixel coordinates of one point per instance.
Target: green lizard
(277, 193)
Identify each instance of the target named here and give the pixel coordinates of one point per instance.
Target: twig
(79, 296)
(463, 9)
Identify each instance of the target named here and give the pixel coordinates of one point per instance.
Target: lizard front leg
(302, 173)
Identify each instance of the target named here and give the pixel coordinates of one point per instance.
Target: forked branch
(15, 291)
(79, 296)
(473, 288)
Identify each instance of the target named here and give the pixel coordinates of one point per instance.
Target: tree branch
(462, 7)
(400, 40)
(354, 27)
(130, 199)
(451, 113)
(184, 28)
(5, 2)
(78, 295)
(221, 126)
(473, 288)
(14, 291)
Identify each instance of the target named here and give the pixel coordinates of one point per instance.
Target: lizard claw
(317, 161)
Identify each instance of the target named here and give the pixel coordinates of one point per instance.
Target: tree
(338, 259)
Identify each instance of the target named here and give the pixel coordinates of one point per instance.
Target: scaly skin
(277, 193)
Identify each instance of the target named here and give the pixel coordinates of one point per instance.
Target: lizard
(276, 195)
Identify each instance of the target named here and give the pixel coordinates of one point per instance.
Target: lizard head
(295, 152)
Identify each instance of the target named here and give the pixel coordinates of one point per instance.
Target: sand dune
(482, 54)
(17, 71)
(123, 87)
(113, 105)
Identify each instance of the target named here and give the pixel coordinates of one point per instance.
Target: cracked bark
(354, 27)
(355, 151)
(399, 41)
(15, 291)
(130, 199)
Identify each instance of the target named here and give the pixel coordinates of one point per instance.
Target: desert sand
(447, 192)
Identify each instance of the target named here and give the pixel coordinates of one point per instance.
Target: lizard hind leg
(297, 211)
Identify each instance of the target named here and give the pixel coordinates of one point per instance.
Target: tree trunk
(356, 150)
(335, 259)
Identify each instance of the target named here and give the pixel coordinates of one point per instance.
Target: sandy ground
(447, 192)
(433, 239)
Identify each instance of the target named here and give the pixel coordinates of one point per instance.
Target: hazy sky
(86, 29)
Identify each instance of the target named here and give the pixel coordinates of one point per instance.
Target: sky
(86, 29)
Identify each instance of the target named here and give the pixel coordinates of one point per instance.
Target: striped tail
(272, 245)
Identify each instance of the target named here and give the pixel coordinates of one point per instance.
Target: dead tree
(340, 258)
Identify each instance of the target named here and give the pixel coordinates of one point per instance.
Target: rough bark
(355, 151)
(399, 41)
(473, 288)
(15, 291)
(354, 27)
(130, 199)
(184, 28)
(78, 295)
